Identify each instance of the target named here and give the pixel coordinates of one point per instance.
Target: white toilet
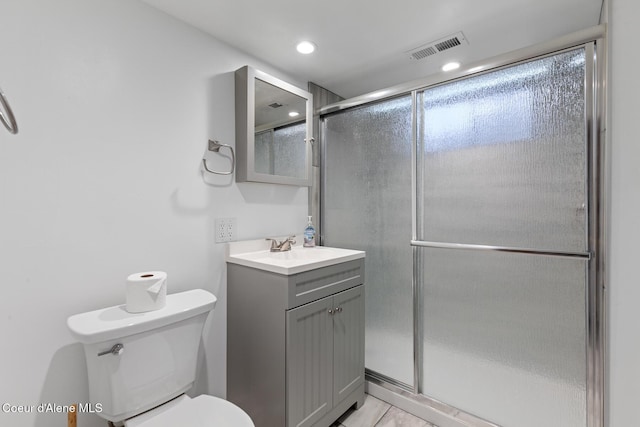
(140, 365)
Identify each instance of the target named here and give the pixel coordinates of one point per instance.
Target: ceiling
(362, 43)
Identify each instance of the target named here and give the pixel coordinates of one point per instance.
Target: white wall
(115, 103)
(624, 283)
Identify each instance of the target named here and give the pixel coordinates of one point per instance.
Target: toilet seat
(202, 411)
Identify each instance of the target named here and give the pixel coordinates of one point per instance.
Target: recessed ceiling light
(293, 114)
(306, 47)
(451, 66)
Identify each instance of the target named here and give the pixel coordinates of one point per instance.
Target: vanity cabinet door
(348, 342)
(309, 353)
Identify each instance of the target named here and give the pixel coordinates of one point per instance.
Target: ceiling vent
(275, 105)
(435, 47)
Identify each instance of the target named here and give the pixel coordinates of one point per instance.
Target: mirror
(273, 130)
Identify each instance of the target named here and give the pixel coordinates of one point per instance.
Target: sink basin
(256, 254)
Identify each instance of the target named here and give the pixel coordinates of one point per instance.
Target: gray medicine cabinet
(273, 129)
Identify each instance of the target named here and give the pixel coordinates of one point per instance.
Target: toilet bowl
(140, 365)
(202, 411)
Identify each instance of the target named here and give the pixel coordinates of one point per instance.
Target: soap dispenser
(309, 235)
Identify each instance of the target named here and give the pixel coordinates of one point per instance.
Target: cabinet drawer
(313, 285)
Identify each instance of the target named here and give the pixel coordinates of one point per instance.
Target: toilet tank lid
(116, 322)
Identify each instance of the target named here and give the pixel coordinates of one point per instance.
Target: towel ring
(6, 115)
(216, 146)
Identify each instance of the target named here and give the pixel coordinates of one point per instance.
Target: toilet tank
(158, 357)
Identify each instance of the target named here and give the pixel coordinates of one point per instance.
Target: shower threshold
(421, 406)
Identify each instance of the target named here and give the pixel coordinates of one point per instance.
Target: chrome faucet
(283, 246)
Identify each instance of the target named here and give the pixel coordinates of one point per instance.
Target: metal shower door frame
(594, 304)
(594, 43)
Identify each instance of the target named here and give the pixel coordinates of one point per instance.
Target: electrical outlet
(226, 229)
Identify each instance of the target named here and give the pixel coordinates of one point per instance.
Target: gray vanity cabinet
(295, 343)
(348, 343)
(325, 355)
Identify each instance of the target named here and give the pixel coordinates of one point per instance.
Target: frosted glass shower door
(504, 158)
(503, 166)
(367, 206)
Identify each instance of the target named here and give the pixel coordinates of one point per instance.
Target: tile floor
(376, 413)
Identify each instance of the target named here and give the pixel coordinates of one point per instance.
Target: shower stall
(479, 203)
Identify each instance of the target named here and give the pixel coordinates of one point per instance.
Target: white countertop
(256, 254)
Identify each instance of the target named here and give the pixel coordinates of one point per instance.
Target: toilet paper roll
(146, 291)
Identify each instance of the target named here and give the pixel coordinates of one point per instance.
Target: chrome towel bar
(6, 115)
(215, 146)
